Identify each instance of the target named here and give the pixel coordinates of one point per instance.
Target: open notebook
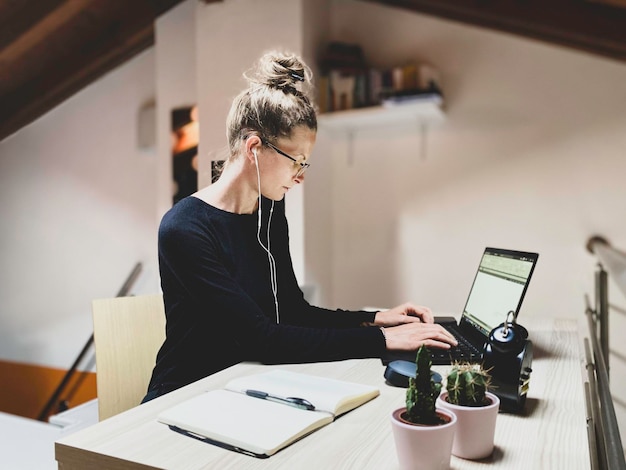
(242, 418)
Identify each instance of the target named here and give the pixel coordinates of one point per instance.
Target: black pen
(291, 401)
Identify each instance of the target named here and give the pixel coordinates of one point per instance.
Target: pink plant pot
(421, 447)
(476, 427)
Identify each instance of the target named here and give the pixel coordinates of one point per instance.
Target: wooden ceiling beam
(584, 25)
(35, 98)
(50, 49)
(76, 46)
(17, 17)
(43, 31)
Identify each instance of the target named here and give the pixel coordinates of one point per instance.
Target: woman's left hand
(405, 313)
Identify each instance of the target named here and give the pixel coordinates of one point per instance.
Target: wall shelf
(425, 112)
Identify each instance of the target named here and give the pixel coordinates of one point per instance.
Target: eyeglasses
(302, 167)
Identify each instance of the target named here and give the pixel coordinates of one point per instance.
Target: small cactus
(422, 392)
(467, 384)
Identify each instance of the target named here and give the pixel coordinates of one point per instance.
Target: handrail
(603, 429)
(613, 260)
(609, 437)
(124, 290)
(593, 410)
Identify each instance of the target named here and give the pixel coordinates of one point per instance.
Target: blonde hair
(276, 101)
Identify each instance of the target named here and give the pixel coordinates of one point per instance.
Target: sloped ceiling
(50, 49)
(594, 26)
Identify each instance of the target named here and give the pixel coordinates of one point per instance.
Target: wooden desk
(552, 434)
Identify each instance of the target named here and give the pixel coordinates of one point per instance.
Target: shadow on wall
(185, 141)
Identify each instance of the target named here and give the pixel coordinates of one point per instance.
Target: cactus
(422, 392)
(467, 384)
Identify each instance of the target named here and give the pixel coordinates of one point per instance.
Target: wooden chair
(128, 332)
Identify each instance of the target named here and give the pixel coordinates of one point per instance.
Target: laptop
(499, 287)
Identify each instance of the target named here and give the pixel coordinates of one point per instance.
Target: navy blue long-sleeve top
(219, 305)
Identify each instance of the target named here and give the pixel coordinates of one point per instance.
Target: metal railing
(605, 445)
(54, 398)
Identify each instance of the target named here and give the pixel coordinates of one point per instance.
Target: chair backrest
(128, 332)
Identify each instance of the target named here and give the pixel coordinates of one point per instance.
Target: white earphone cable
(270, 258)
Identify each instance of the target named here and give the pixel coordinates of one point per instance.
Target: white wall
(530, 157)
(175, 77)
(233, 36)
(317, 222)
(77, 203)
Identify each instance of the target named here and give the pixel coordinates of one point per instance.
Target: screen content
(498, 288)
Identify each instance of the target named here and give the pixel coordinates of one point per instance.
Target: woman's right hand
(410, 336)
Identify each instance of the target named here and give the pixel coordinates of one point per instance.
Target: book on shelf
(375, 86)
(412, 96)
(324, 94)
(260, 414)
(349, 82)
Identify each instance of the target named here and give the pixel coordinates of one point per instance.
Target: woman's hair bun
(280, 70)
(279, 98)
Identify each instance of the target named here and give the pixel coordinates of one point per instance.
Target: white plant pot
(421, 447)
(476, 427)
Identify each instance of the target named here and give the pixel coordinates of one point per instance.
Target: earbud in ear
(254, 152)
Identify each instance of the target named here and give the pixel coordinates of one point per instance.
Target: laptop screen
(499, 287)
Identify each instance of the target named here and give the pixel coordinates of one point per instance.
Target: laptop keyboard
(463, 352)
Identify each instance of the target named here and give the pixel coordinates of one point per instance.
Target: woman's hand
(405, 313)
(408, 326)
(410, 336)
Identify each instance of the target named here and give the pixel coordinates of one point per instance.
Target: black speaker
(509, 354)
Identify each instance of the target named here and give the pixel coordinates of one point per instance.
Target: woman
(229, 289)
